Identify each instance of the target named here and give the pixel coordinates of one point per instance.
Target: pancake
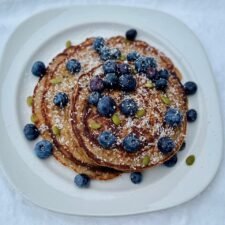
(40, 107)
(149, 128)
(76, 147)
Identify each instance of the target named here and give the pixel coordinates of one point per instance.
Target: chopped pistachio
(190, 160)
(123, 57)
(33, 118)
(116, 119)
(56, 130)
(94, 125)
(149, 84)
(29, 100)
(68, 44)
(166, 100)
(146, 160)
(56, 80)
(140, 113)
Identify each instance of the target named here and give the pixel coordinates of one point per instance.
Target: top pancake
(148, 128)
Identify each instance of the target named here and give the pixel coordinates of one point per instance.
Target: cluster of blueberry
(107, 53)
(72, 65)
(61, 99)
(190, 89)
(104, 51)
(143, 65)
(43, 149)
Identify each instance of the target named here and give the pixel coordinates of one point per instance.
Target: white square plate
(49, 184)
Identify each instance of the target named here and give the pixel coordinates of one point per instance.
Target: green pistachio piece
(94, 125)
(146, 160)
(123, 57)
(56, 80)
(29, 100)
(190, 160)
(149, 84)
(140, 113)
(166, 100)
(33, 118)
(56, 130)
(68, 44)
(116, 119)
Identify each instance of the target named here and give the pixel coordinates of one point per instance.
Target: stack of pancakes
(77, 147)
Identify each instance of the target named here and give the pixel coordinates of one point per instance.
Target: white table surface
(207, 20)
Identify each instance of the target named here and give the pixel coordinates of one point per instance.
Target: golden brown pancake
(148, 128)
(76, 146)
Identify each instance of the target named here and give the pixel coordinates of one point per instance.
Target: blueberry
(173, 117)
(105, 53)
(128, 107)
(182, 146)
(171, 162)
(82, 180)
(152, 74)
(161, 84)
(38, 69)
(106, 106)
(94, 97)
(61, 99)
(165, 145)
(98, 43)
(43, 149)
(127, 82)
(190, 88)
(132, 56)
(151, 62)
(191, 115)
(123, 68)
(73, 66)
(163, 74)
(136, 177)
(106, 139)
(109, 66)
(115, 53)
(131, 34)
(96, 84)
(131, 143)
(31, 132)
(143, 63)
(111, 80)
